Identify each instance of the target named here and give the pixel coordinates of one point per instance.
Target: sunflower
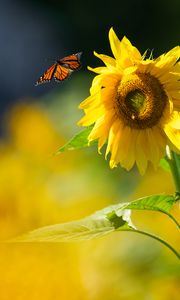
(134, 104)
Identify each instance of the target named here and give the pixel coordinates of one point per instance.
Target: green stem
(174, 220)
(156, 238)
(172, 159)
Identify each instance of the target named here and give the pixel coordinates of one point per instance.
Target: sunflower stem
(157, 239)
(174, 220)
(174, 163)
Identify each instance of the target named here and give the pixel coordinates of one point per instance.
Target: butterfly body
(61, 69)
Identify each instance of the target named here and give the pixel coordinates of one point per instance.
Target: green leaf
(109, 219)
(96, 225)
(162, 203)
(78, 141)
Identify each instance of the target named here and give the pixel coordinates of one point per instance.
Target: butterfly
(62, 68)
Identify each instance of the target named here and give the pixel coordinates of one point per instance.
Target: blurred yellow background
(37, 189)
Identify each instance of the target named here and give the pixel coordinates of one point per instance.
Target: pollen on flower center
(140, 100)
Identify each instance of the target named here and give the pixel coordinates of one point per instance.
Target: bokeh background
(38, 189)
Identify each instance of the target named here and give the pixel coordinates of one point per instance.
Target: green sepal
(79, 140)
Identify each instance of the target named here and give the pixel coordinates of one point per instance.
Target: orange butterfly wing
(61, 73)
(71, 62)
(48, 75)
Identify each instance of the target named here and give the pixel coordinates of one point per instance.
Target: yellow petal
(91, 116)
(161, 139)
(89, 101)
(114, 149)
(145, 66)
(167, 114)
(168, 60)
(176, 104)
(129, 54)
(114, 43)
(112, 135)
(108, 61)
(126, 152)
(99, 70)
(101, 126)
(173, 134)
(169, 78)
(176, 68)
(110, 80)
(108, 97)
(96, 84)
(101, 129)
(174, 52)
(155, 145)
(175, 94)
(104, 80)
(175, 120)
(173, 83)
(101, 142)
(141, 158)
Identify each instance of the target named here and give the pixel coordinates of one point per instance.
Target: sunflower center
(135, 100)
(140, 100)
